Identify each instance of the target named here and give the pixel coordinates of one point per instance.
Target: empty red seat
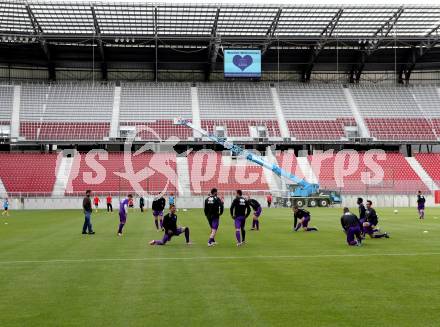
(396, 129)
(120, 172)
(64, 131)
(28, 173)
(207, 171)
(316, 129)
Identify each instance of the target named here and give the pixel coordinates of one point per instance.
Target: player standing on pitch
(109, 203)
(421, 205)
(5, 207)
(87, 207)
(158, 206)
(213, 210)
(361, 207)
(304, 218)
(254, 204)
(96, 201)
(171, 229)
(123, 212)
(240, 210)
(352, 227)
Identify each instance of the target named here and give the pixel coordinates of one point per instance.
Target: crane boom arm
(249, 156)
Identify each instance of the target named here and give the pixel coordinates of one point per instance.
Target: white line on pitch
(225, 258)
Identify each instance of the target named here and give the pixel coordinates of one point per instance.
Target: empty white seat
(6, 100)
(151, 101)
(235, 101)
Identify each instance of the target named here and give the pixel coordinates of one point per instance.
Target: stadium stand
(288, 161)
(32, 174)
(208, 170)
(431, 163)
(83, 111)
(399, 177)
(236, 107)
(72, 111)
(315, 112)
(392, 113)
(154, 106)
(160, 173)
(6, 99)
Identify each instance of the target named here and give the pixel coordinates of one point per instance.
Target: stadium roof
(167, 36)
(146, 20)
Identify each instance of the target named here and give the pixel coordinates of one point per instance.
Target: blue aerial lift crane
(300, 192)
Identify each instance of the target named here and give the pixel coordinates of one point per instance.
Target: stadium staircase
(2, 189)
(421, 172)
(114, 125)
(272, 180)
(6, 103)
(195, 111)
(431, 164)
(362, 126)
(306, 169)
(183, 183)
(64, 167)
(284, 129)
(15, 115)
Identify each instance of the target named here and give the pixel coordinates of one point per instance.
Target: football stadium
(219, 164)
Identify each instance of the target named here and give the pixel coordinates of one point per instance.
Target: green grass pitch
(51, 275)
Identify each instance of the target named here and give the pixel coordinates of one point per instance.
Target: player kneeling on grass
(303, 217)
(370, 225)
(213, 210)
(123, 212)
(351, 225)
(257, 213)
(171, 229)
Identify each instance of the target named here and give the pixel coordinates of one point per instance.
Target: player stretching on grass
(303, 216)
(171, 229)
(257, 213)
(123, 212)
(371, 222)
(240, 210)
(352, 227)
(421, 204)
(5, 207)
(158, 206)
(213, 210)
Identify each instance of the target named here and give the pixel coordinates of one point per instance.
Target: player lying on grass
(257, 213)
(158, 206)
(213, 210)
(123, 212)
(370, 225)
(303, 218)
(421, 205)
(171, 229)
(352, 227)
(240, 210)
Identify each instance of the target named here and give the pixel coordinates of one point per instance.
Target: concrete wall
(197, 202)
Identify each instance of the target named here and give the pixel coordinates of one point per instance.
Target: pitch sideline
(221, 258)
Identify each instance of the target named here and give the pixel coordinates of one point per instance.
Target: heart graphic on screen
(242, 62)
